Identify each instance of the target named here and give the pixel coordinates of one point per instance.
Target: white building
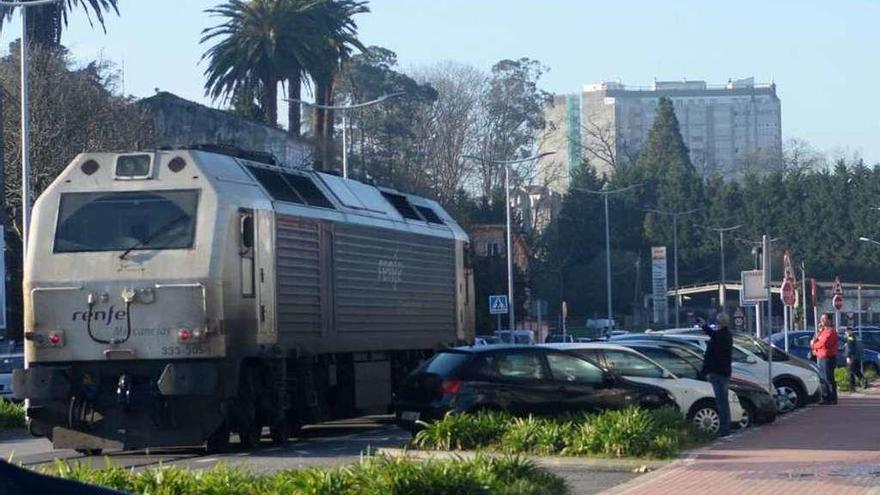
(726, 128)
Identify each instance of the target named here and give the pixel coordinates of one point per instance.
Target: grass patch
(631, 432)
(372, 476)
(11, 415)
(841, 376)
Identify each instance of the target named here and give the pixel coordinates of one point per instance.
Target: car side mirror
(751, 360)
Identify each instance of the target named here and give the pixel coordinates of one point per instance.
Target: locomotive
(174, 297)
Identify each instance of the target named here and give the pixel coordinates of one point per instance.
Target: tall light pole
(675, 215)
(343, 109)
(722, 293)
(605, 194)
(506, 164)
(25, 121)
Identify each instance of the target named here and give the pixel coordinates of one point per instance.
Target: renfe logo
(106, 316)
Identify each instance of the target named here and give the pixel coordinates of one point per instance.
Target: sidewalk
(820, 449)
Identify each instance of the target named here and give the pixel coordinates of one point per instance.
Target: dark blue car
(799, 345)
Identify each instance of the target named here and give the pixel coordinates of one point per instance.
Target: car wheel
(788, 397)
(748, 415)
(705, 417)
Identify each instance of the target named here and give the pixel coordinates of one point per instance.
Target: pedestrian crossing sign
(497, 305)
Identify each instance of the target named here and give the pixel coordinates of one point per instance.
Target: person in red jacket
(824, 346)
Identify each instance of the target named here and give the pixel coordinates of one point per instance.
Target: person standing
(824, 346)
(854, 352)
(716, 366)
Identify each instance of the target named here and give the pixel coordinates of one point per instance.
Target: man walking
(716, 366)
(824, 346)
(854, 352)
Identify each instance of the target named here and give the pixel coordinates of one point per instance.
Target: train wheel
(280, 432)
(250, 432)
(219, 440)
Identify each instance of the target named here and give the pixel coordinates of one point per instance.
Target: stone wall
(180, 122)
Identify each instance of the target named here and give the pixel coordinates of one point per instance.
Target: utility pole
(343, 109)
(506, 164)
(722, 292)
(25, 121)
(605, 194)
(675, 215)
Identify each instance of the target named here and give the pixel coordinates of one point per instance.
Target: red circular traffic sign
(837, 300)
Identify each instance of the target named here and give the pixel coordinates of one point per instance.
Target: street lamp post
(343, 109)
(506, 164)
(25, 120)
(722, 293)
(605, 195)
(675, 215)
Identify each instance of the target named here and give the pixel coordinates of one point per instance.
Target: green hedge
(841, 376)
(372, 476)
(11, 415)
(631, 432)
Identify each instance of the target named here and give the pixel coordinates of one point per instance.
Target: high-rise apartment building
(726, 128)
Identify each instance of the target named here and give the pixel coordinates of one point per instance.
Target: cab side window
(629, 364)
(739, 356)
(573, 369)
(246, 231)
(512, 366)
(677, 365)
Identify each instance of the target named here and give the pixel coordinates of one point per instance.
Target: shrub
(11, 415)
(841, 377)
(536, 435)
(630, 432)
(372, 476)
(463, 431)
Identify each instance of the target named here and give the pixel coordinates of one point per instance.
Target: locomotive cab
(174, 296)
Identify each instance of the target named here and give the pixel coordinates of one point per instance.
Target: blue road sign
(498, 305)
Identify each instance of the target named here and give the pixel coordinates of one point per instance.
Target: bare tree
(73, 110)
(447, 129)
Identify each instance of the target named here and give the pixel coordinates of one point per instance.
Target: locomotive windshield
(125, 221)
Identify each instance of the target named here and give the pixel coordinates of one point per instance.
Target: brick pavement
(828, 450)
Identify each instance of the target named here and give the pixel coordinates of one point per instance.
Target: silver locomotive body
(173, 297)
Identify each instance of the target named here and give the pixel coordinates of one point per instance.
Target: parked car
(797, 382)
(758, 404)
(517, 379)
(799, 346)
(695, 398)
(9, 362)
(558, 337)
(740, 367)
(486, 340)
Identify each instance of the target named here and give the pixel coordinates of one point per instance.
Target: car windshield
(118, 221)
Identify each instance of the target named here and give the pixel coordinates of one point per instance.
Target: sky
(822, 55)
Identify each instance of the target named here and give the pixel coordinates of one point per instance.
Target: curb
(590, 464)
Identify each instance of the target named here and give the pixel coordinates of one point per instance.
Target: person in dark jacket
(854, 353)
(716, 366)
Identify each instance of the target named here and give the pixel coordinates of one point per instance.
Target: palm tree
(46, 22)
(338, 40)
(261, 43)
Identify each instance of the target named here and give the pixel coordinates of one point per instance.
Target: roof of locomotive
(317, 194)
